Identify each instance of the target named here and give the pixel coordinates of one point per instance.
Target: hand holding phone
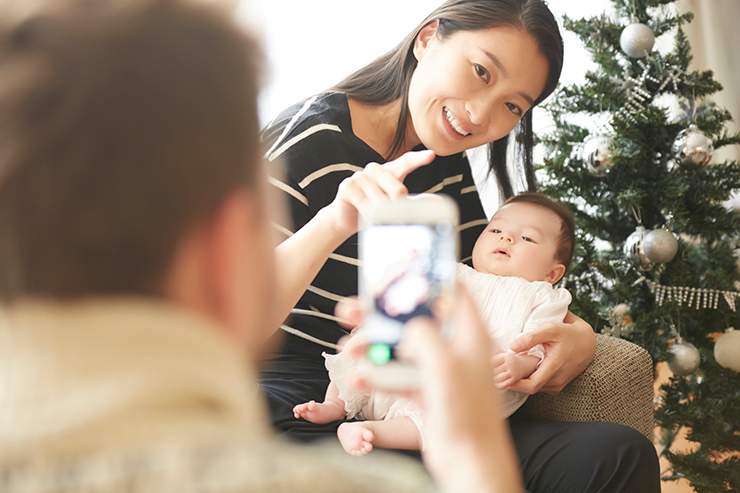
(408, 253)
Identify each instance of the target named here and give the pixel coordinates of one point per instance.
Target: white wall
(313, 44)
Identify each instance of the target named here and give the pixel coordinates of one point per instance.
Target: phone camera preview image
(408, 271)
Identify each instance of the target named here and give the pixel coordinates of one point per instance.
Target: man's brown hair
(120, 129)
(567, 241)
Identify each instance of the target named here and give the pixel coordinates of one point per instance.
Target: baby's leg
(330, 410)
(359, 437)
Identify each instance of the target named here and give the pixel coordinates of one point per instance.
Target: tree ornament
(637, 93)
(637, 39)
(598, 152)
(691, 143)
(683, 358)
(727, 350)
(660, 246)
(633, 247)
(621, 320)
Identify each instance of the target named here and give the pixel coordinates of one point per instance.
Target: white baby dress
(508, 306)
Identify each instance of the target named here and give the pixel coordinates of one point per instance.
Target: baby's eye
(482, 72)
(495, 231)
(527, 238)
(514, 109)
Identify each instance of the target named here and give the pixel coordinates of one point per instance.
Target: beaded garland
(696, 297)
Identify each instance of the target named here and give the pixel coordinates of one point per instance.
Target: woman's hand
(300, 257)
(374, 183)
(569, 349)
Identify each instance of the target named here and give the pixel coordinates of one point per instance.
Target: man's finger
(349, 312)
(408, 162)
(420, 340)
(470, 334)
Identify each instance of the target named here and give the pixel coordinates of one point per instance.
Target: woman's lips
(454, 124)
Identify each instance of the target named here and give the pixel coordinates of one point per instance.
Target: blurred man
(136, 273)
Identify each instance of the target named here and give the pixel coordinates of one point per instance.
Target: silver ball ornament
(727, 350)
(691, 143)
(637, 39)
(660, 246)
(633, 247)
(598, 152)
(683, 358)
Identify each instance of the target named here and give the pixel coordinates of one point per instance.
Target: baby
(526, 247)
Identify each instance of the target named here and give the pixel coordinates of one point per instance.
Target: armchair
(617, 387)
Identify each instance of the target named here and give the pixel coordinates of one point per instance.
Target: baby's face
(520, 241)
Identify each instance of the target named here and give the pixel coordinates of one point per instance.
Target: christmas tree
(656, 259)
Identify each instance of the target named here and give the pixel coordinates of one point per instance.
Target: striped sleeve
(309, 153)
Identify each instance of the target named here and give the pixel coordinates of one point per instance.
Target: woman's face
(473, 87)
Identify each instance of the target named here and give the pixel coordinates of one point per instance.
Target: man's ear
(555, 274)
(228, 250)
(205, 265)
(421, 43)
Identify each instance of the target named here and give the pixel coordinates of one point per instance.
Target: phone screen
(408, 271)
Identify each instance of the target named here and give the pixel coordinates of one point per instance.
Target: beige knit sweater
(136, 395)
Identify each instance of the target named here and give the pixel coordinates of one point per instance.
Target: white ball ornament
(683, 358)
(727, 350)
(598, 153)
(691, 143)
(637, 39)
(660, 246)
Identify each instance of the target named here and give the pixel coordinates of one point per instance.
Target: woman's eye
(482, 72)
(514, 109)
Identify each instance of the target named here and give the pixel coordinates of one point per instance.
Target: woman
(466, 76)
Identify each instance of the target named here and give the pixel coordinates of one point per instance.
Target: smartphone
(408, 254)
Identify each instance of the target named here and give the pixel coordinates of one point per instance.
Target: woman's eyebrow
(505, 74)
(496, 62)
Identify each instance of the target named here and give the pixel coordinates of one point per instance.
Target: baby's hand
(509, 368)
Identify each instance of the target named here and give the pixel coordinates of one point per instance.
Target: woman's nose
(479, 111)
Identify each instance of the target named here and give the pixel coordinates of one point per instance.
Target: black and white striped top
(310, 149)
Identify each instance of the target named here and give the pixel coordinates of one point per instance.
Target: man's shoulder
(271, 465)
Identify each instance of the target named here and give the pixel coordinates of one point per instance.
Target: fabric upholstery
(617, 387)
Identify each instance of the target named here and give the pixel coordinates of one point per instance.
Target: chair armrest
(617, 387)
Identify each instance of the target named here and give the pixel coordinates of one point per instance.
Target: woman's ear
(421, 43)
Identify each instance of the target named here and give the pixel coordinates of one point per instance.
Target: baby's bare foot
(356, 438)
(319, 413)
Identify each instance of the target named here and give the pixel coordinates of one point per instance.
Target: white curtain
(715, 42)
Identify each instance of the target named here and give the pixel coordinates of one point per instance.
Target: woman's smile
(456, 126)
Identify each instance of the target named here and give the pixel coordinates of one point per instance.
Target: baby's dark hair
(567, 240)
